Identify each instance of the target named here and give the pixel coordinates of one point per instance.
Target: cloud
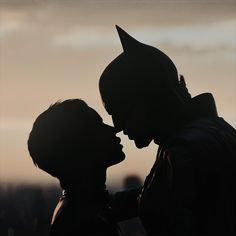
(13, 21)
(197, 37)
(86, 38)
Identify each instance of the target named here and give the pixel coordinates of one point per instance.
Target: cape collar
(202, 106)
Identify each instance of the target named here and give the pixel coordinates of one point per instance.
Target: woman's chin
(117, 158)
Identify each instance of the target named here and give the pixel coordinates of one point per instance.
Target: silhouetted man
(191, 187)
(70, 141)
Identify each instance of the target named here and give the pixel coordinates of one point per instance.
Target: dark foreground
(26, 210)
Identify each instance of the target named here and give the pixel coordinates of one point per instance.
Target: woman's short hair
(58, 133)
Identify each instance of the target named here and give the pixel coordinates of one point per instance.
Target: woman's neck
(93, 196)
(91, 189)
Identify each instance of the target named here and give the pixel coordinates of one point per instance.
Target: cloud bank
(197, 37)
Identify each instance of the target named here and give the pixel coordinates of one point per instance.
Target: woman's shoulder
(73, 218)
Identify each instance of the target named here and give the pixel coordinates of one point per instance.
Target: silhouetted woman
(70, 141)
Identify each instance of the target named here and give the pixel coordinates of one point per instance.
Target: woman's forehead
(94, 115)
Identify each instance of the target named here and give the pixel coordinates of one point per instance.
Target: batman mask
(140, 70)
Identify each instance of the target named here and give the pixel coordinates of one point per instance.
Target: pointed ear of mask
(128, 43)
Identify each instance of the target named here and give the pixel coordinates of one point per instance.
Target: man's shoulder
(206, 140)
(206, 146)
(205, 132)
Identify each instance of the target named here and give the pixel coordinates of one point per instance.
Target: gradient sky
(57, 49)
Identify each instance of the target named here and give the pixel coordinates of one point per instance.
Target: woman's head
(71, 137)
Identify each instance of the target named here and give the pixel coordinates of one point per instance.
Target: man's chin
(142, 143)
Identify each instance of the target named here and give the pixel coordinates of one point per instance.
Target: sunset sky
(57, 49)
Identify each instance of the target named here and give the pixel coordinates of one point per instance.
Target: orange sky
(52, 50)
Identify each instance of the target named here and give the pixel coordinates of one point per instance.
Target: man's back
(191, 188)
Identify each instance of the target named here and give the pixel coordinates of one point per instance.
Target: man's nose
(117, 124)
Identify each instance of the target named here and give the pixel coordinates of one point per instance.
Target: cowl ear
(128, 42)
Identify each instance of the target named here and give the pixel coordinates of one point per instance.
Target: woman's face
(104, 144)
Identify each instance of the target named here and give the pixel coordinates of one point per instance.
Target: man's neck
(200, 107)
